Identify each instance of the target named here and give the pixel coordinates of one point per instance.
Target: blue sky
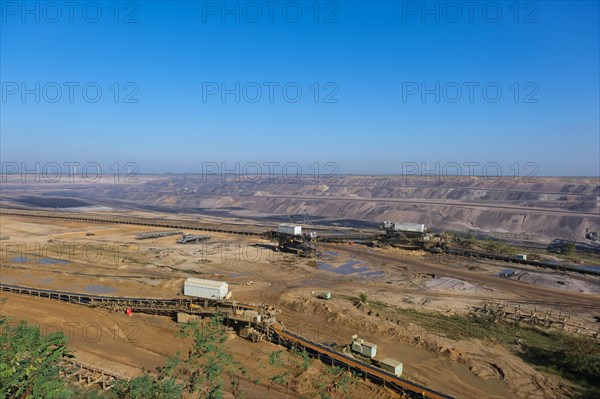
(369, 63)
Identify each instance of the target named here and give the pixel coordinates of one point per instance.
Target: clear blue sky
(372, 53)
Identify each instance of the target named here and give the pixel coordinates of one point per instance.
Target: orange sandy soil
(256, 274)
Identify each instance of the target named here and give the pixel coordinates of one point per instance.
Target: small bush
(362, 297)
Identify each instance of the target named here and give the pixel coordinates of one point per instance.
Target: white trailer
(363, 347)
(290, 229)
(410, 227)
(207, 289)
(391, 365)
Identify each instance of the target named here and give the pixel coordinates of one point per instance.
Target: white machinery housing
(207, 289)
(290, 229)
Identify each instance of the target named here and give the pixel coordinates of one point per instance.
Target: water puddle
(99, 289)
(236, 275)
(350, 267)
(44, 261)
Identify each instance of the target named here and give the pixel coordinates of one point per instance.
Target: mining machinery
(401, 233)
(290, 238)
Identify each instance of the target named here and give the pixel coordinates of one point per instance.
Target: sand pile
(454, 284)
(558, 281)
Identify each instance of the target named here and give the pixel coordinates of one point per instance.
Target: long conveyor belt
(174, 224)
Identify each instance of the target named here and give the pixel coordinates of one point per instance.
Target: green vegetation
(582, 258)
(29, 362)
(455, 326)
(207, 361)
(332, 382)
(567, 250)
(362, 297)
(498, 247)
(575, 358)
(199, 375)
(30, 368)
(295, 364)
(147, 386)
(275, 358)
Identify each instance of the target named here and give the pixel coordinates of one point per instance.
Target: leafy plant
(30, 362)
(207, 360)
(362, 297)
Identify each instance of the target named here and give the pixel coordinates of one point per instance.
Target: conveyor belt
(375, 374)
(511, 259)
(144, 305)
(175, 224)
(278, 333)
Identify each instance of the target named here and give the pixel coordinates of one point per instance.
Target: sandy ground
(453, 284)
(133, 345)
(61, 255)
(558, 281)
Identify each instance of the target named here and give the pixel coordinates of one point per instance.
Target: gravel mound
(449, 283)
(558, 281)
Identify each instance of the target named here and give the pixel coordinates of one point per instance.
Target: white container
(365, 348)
(290, 229)
(410, 227)
(369, 349)
(391, 365)
(207, 289)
